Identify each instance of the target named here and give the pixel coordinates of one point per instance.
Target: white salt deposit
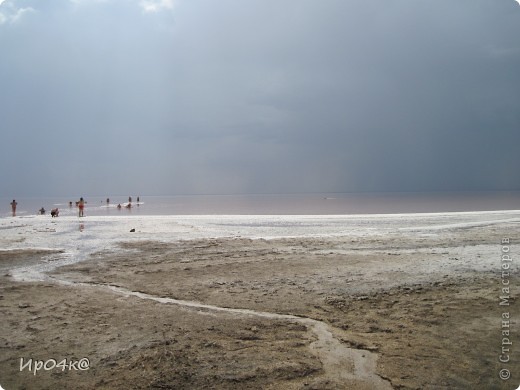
(77, 238)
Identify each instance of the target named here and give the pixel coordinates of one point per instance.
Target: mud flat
(408, 306)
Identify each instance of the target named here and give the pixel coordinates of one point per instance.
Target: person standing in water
(13, 207)
(81, 206)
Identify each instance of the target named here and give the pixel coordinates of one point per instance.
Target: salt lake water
(286, 204)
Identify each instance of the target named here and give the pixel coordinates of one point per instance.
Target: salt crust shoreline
(77, 238)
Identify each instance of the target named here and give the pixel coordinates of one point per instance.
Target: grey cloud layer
(262, 96)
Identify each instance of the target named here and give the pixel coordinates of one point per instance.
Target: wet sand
(405, 310)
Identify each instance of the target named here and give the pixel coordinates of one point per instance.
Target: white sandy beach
(365, 301)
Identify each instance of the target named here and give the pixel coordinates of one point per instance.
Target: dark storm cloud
(271, 96)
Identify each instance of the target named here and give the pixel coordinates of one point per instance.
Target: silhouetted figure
(13, 207)
(81, 206)
(55, 212)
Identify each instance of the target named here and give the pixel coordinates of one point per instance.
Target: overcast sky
(158, 97)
